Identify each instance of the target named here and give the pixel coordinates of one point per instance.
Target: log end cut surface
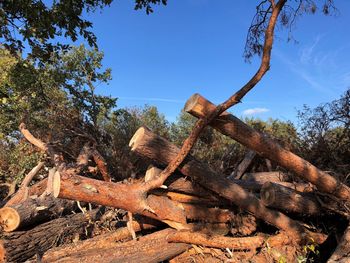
(56, 183)
(9, 219)
(137, 138)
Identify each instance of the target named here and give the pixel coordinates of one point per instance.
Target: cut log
(342, 252)
(33, 211)
(240, 243)
(289, 200)
(150, 248)
(34, 190)
(243, 166)
(22, 245)
(119, 195)
(103, 241)
(158, 149)
(233, 127)
(264, 177)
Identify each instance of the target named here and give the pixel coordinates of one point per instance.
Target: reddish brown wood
(148, 144)
(33, 211)
(120, 195)
(103, 241)
(101, 165)
(150, 248)
(22, 245)
(267, 147)
(34, 190)
(289, 200)
(236, 243)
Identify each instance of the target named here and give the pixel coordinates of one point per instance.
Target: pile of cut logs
(198, 215)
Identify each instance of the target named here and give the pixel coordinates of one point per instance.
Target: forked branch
(234, 99)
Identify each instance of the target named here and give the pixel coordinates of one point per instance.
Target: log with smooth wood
(158, 149)
(233, 127)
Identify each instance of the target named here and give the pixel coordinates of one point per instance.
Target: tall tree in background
(39, 24)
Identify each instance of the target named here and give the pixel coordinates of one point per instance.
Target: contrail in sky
(152, 99)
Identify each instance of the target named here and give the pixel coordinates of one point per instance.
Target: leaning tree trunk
(267, 147)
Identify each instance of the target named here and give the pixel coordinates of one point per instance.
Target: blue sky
(194, 46)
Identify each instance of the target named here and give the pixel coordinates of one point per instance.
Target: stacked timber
(197, 214)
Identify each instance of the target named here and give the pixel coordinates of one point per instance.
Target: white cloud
(255, 111)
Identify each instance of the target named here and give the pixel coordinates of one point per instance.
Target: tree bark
(150, 248)
(289, 200)
(120, 195)
(146, 143)
(264, 177)
(342, 252)
(33, 211)
(236, 243)
(22, 245)
(267, 147)
(34, 190)
(243, 166)
(103, 241)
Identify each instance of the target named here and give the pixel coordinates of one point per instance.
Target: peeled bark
(33, 211)
(150, 248)
(289, 200)
(158, 149)
(120, 195)
(231, 126)
(22, 245)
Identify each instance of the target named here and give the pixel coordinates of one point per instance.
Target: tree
(325, 133)
(39, 23)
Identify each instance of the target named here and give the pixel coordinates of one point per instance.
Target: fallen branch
(231, 101)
